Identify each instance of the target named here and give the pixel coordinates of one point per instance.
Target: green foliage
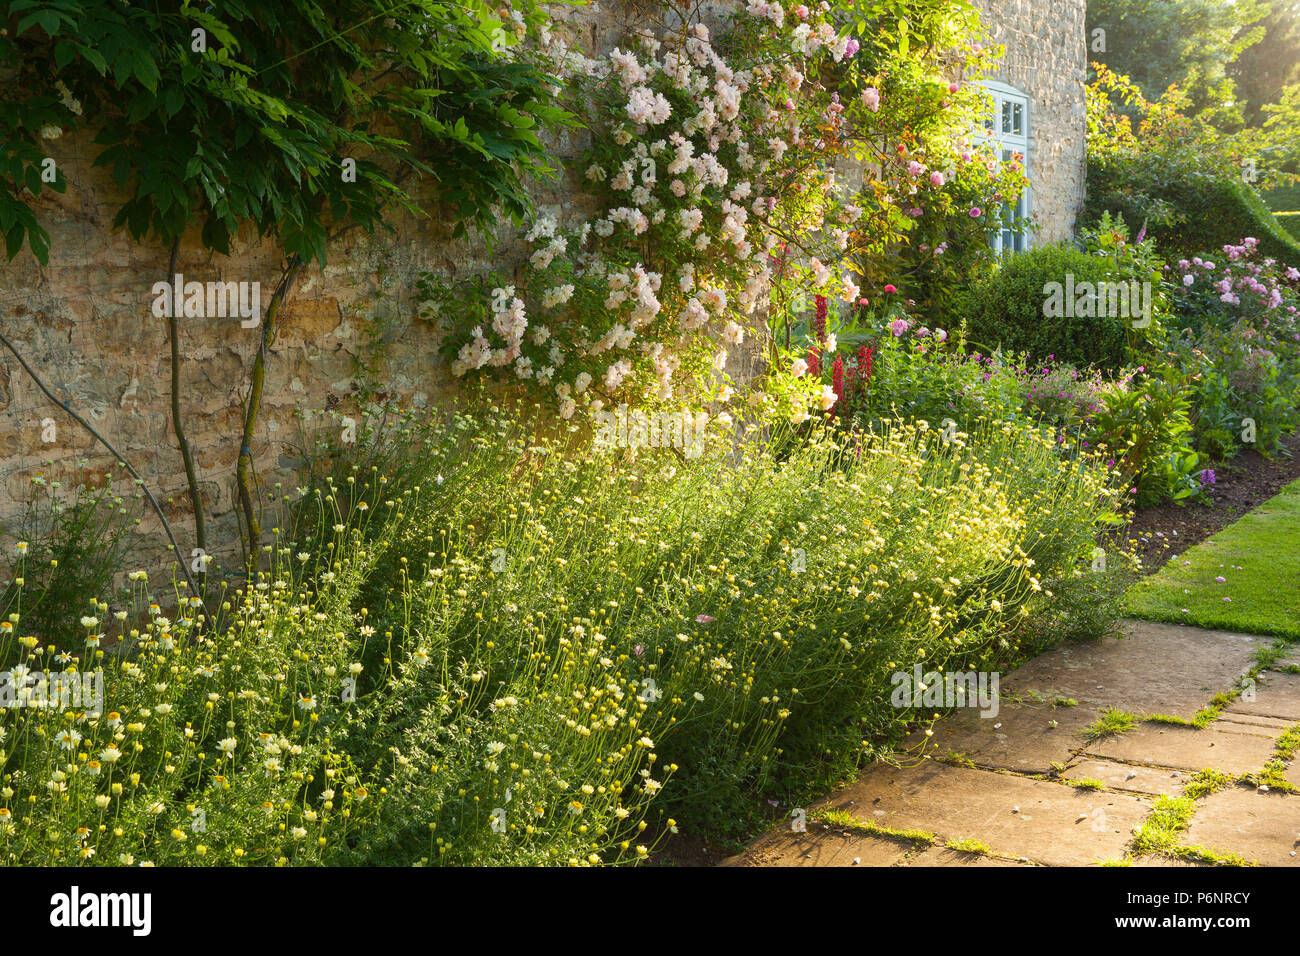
(1177, 176)
(1262, 70)
(1142, 423)
(1186, 209)
(1007, 310)
(249, 123)
(1239, 344)
(1192, 44)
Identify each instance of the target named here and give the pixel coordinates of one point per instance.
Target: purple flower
(1207, 478)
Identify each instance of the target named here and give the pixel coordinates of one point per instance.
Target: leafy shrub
(1143, 425)
(1006, 311)
(1239, 343)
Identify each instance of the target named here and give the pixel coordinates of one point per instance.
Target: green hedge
(1186, 211)
(1282, 197)
(1007, 310)
(1290, 221)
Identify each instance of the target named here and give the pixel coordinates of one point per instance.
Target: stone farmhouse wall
(1047, 59)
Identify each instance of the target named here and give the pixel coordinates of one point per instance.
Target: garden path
(1168, 745)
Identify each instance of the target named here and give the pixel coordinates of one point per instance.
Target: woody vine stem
(194, 590)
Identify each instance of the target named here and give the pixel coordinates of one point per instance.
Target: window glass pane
(1018, 121)
(1006, 117)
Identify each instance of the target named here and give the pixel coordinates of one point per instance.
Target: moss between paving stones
(1263, 597)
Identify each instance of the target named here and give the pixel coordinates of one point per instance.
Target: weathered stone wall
(1047, 59)
(84, 321)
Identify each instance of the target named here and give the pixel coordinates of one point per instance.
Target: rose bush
(724, 167)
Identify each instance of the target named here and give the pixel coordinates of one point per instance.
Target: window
(1006, 127)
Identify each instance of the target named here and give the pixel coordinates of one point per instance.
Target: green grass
(1260, 598)
(977, 847)
(847, 821)
(1163, 834)
(1273, 775)
(1111, 721)
(1206, 782)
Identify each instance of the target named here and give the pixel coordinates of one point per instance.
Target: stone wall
(84, 320)
(1047, 59)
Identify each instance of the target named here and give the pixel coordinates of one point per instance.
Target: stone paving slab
(942, 856)
(1252, 724)
(1123, 776)
(821, 846)
(1015, 816)
(1263, 827)
(1020, 738)
(1276, 695)
(1153, 669)
(1186, 748)
(1163, 861)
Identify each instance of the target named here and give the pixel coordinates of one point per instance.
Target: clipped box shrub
(1007, 310)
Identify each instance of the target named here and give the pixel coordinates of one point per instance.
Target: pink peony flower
(871, 99)
(936, 179)
(899, 326)
(976, 212)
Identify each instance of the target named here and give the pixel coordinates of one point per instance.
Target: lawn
(1246, 578)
